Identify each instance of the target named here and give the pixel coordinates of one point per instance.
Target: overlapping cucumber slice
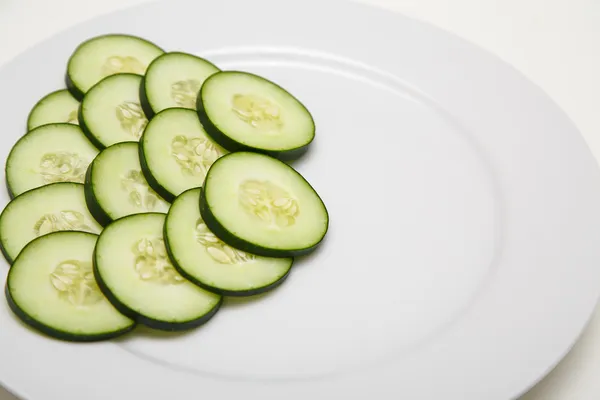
(174, 80)
(263, 206)
(135, 273)
(51, 287)
(106, 55)
(199, 255)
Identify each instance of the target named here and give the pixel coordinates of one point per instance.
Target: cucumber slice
(51, 287)
(37, 212)
(176, 152)
(174, 80)
(115, 185)
(134, 272)
(261, 205)
(105, 55)
(111, 113)
(48, 154)
(243, 111)
(208, 262)
(59, 106)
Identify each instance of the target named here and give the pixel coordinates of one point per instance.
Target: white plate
(462, 258)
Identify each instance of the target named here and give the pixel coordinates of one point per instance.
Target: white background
(556, 43)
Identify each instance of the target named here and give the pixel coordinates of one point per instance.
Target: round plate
(462, 257)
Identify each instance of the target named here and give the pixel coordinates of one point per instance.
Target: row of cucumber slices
(150, 189)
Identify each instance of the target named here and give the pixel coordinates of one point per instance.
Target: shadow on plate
(145, 332)
(235, 302)
(300, 261)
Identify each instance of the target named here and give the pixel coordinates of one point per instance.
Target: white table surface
(556, 43)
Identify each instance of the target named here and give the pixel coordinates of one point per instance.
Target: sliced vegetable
(105, 55)
(48, 154)
(261, 205)
(205, 260)
(111, 113)
(243, 111)
(59, 106)
(51, 287)
(176, 152)
(174, 80)
(55, 207)
(115, 186)
(134, 272)
(94, 243)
